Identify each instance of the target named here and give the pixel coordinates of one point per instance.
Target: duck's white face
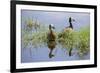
(52, 26)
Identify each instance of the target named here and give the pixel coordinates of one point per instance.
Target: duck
(51, 40)
(66, 30)
(70, 27)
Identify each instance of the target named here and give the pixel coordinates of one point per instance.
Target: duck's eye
(53, 27)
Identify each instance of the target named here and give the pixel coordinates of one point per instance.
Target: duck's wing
(51, 36)
(68, 29)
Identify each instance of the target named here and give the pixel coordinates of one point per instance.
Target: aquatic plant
(29, 23)
(39, 39)
(36, 38)
(83, 41)
(80, 40)
(25, 40)
(67, 40)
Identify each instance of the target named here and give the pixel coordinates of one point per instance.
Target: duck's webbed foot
(51, 55)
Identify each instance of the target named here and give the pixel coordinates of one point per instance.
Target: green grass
(67, 39)
(83, 45)
(76, 39)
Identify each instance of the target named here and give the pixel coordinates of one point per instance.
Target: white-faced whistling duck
(51, 37)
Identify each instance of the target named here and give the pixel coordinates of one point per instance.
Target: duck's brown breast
(51, 44)
(51, 40)
(51, 36)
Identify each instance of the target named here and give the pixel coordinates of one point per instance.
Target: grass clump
(67, 40)
(83, 41)
(36, 38)
(79, 40)
(39, 39)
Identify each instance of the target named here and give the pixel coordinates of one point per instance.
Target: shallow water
(41, 54)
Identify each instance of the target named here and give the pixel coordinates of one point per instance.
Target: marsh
(73, 45)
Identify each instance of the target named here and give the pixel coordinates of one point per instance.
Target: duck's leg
(50, 54)
(70, 52)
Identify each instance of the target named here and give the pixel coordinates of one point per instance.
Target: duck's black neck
(71, 26)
